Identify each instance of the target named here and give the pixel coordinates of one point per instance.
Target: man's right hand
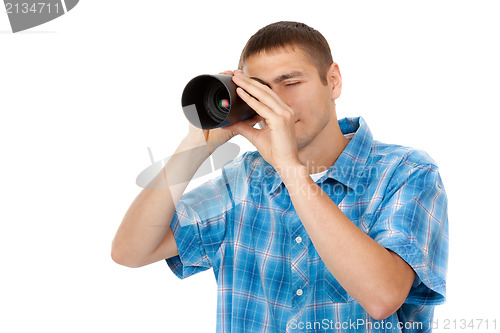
(144, 236)
(213, 138)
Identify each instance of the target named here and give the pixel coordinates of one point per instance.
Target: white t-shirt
(316, 176)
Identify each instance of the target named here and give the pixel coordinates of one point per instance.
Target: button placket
(300, 272)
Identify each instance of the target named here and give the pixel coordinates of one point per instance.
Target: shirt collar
(350, 164)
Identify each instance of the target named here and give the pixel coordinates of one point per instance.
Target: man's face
(296, 81)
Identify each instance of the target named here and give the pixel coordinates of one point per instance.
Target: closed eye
(291, 84)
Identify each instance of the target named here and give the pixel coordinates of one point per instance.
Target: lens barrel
(210, 101)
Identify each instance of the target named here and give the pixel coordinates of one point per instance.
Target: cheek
(308, 105)
(299, 99)
(309, 102)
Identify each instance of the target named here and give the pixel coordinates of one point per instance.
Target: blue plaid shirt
(270, 277)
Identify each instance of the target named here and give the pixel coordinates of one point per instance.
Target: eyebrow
(291, 75)
(281, 78)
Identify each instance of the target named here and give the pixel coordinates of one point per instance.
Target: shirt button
(298, 239)
(299, 292)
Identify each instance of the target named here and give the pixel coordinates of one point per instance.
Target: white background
(83, 96)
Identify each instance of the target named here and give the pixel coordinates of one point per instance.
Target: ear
(334, 80)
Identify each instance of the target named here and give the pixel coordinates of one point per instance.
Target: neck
(324, 150)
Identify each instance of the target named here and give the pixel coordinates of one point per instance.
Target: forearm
(147, 220)
(365, 269)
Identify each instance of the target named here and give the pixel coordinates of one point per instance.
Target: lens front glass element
(222, 100)
(217, 102)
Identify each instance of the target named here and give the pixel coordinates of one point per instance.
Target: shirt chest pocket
(333, 289)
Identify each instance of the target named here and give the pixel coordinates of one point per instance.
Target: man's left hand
(276, 142)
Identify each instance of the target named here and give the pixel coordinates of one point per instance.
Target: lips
(24, 14)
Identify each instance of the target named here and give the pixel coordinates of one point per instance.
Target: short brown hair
(287, 33)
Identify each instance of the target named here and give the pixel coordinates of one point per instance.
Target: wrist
(292, 172)
(190, 152)
(188, 144)
(199, 141)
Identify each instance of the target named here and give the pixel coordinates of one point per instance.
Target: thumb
(245, 130)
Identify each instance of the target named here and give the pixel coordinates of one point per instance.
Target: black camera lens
(210, 101)
(217, 102)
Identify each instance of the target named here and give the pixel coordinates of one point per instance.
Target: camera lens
(217, 102)
(211, 101)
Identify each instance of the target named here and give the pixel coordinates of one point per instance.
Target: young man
(321, 229)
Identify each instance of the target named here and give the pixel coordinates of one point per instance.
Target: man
(321, 229)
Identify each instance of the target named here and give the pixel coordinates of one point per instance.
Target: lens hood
(210, 101)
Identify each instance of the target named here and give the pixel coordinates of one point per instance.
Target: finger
(227, 72)
(245, 130)
(261, 124)
(254, 120)
(261, 92)
(257, 106)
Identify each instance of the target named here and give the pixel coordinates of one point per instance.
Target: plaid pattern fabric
(270, 277)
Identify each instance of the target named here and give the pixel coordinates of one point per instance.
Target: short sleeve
(199, 226)
(412, 221)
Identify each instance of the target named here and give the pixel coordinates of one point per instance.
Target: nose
(286, 98)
